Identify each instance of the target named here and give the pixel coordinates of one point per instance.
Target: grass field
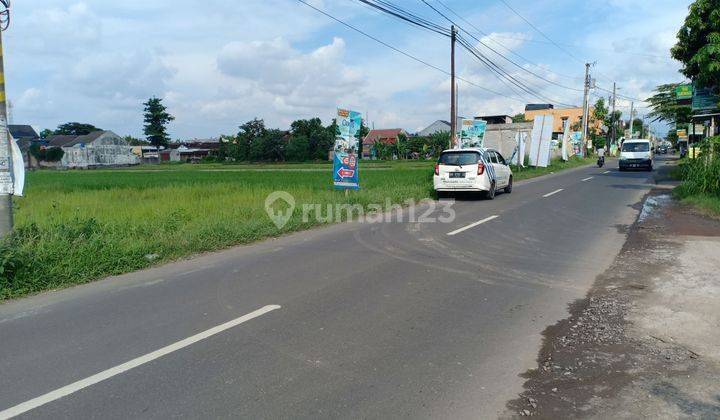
(76, 226)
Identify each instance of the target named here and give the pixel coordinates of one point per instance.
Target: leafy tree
(50, 154)
(438, 142)
(297, 149)
(156, 120)
(519, 118)
(320, 138)
(698, 45)
(273, 145)
(401, 146)
(75, 129)
(362, 133)
(134, 141)
(665, 107)
(249, 140)
(45, 133)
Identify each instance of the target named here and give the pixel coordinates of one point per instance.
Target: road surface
(353, 320)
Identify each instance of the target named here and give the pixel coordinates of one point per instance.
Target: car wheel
(490, 194)
(508, 189)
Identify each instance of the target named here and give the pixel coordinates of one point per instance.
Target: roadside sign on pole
(345, 161)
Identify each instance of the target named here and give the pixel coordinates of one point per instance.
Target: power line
(541, 32)
(497, 71)
(629, 98)
(490, 38)
(406, 54)
(496, 52)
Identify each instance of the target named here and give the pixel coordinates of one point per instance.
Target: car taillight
(437, 169)
(481, 168)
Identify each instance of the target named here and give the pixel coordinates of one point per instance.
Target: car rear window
(459, 158)
(636, 147)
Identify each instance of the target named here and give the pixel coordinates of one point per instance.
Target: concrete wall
(107, 150)
(501, 137)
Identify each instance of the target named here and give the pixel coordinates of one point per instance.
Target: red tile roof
(387, 135)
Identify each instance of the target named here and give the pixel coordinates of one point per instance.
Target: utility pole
(632, 116)
(6, 176)
(612, 120)
(586, 109)
(453, 109)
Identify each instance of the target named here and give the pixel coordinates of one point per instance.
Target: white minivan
(472, 170)
(636, 154)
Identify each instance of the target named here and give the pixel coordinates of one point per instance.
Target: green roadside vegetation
(700, 186)
(76, 226)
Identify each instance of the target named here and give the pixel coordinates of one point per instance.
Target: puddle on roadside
(652, 204)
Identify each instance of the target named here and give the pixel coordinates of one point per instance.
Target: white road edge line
(552, 193)
(607, 172)
(109, 373)
(472, 225)
(587, 179)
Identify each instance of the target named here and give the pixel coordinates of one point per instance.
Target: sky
(218, 64)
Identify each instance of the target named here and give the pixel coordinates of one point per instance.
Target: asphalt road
(371, 320)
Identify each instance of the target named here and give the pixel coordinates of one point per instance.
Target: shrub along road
(353, 320)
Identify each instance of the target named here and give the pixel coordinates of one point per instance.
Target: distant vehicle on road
(472, 170)
(662, 149)
(636, 154)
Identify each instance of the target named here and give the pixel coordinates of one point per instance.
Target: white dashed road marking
(139, 361)
(588, 178)
(472, 225)
(552, 193)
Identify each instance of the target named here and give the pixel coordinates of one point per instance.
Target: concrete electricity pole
(586, 109)
(6, 176)
(612, 120)
(453, 109)
(632, 116)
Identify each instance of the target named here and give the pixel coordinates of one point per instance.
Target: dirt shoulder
(645, 341)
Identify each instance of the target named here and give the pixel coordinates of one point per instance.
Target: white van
(636, 154)
(472, 169)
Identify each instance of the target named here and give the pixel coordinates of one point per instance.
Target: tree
(519, 118)
(297, 149)
(249, 140)
(45, 133)
(50, 154)
(75, 129)
(156, 120)
(362, 133)
(134, 141)
(665, 107)
(698, 45)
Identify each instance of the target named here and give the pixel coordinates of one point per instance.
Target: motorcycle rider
(601, 156)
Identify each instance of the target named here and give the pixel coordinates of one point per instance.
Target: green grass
(555, 166)
(76, 226)
(708, 204)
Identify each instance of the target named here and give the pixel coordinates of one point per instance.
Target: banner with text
(472, 133)
(347, 144)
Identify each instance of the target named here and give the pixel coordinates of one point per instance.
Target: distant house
(496, 119)
(99, 148)
(561, 116)
(25, 136)
(439, 126)
(385, 136)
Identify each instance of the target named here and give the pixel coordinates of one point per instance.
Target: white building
(99, 148)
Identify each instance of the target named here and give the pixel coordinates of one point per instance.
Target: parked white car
(472, 170)
(636, 154)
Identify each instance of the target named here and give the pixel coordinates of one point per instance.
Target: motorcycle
(601, 161)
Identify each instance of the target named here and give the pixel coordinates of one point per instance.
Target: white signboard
(540, 140)
(6, 181)
(18, 168)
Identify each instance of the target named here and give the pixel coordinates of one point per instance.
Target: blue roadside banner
(347, 144)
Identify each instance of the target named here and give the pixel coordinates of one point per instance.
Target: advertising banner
(472, 133)
(540, 140)
(347, 144)
(683, 92)
(576, 141)
(518, 156)
(566, 145)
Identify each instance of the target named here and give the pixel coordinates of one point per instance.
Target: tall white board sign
(540, 140)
